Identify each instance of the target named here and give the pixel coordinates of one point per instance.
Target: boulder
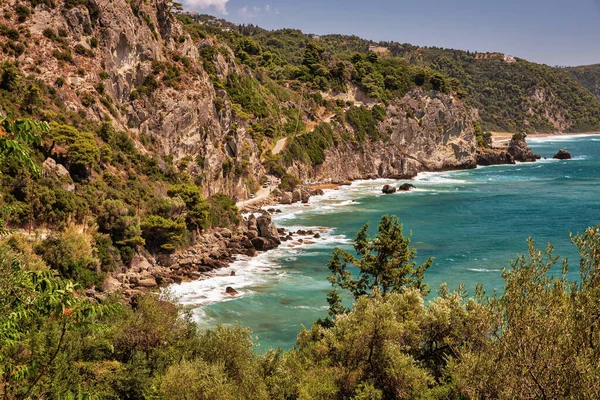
(267, 228)
(147, 282)
(263, 244)
(286, 198)
(304, 196)
(226, 233)
(317, 192)
(251, 234)
(232, 273)
(406, 187)
(111, 284)
(562, 155)
(296, 196)
(230, 291)
(388, 189)
(317, 235)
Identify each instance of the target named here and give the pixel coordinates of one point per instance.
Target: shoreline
(505, 137)
(245, 264)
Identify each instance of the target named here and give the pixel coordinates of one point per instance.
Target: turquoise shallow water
(472, 222)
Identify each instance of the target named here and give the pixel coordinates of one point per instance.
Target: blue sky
(553, 32)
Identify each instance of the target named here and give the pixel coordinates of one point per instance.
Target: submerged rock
(562, 155)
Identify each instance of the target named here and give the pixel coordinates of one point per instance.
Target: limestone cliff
(134, 63)
(106, 53)
(427, 132)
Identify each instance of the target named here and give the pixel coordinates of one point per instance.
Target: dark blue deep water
(472, 222)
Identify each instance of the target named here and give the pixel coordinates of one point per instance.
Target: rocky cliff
(423, 131)
(132, 62)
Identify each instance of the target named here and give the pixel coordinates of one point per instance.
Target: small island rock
(388, 189)
(563, 155)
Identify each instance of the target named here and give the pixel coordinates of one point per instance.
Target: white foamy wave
(559, 138)
(440, 178)
(482, 270)
(251, 274)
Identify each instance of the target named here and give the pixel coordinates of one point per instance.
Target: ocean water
(473, 222)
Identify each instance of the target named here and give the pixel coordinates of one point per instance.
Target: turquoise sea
(473, 222)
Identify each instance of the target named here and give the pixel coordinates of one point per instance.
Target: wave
(482, 270)
(251, 273)
(560, 138)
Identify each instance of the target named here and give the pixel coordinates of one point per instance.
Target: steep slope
(588, 76)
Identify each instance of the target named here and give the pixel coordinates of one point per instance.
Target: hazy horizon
(549, 32)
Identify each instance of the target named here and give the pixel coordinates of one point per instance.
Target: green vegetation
(588, 76)
(539, 338)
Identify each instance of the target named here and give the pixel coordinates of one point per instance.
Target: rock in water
(494, 157)
(563, 155)
(519, 149)
(388, 189)
(231, 291)
(406, 187)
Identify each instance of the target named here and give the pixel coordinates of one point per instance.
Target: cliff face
(133, 63)
(426, 133)
(152, 81)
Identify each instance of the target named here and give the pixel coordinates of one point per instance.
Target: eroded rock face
(267, 228)
(427, 132)
(562, 155)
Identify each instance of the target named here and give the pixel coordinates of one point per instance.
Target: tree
(197, 208)
(15, 138)
(384, 264)
(31, 300)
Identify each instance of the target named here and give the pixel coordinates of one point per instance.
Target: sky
(553, 32)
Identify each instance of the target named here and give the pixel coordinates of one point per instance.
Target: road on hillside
(261, 194)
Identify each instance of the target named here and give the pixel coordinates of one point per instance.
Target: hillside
(514, 95)
(588, 76)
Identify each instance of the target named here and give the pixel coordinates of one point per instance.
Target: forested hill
(588, 76)
(511, 94)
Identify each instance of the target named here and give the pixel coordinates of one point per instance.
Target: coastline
(504, 137)
(251, 269)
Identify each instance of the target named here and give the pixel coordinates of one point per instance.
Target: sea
(472, 222)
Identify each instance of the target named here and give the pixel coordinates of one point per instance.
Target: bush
(223, 212)
(72, 255)
(162, 234)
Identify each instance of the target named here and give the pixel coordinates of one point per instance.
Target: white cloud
(219, 6)
(249, 13)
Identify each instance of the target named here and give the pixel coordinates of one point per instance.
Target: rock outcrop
(388, 189)
(494, 157)
(405, 187)
(562, 155)
(519, 149)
